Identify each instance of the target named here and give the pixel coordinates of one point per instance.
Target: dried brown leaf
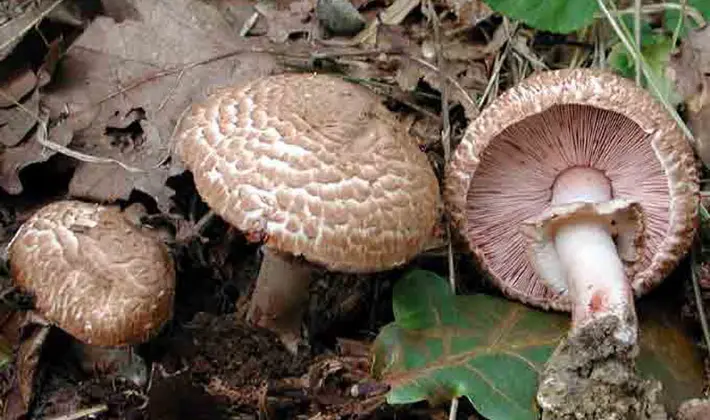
(51, 58)
(130, 82)
(285, 23)
(465, 70)
(469, 12)
(689, 70)
(16, 86)
(470, 78)
(97, 182)
(67, 13)
(12, 31)
(17, 121)
(120, 10)
(23, 88)
(27, 366)
(393, 15)
(408, 75)
(13, 159)
(236, 12)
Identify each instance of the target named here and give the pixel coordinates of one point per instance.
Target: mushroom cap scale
(315, 167)
(93, 273)
(503, 171)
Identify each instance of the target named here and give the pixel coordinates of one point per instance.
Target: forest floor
(93, 89)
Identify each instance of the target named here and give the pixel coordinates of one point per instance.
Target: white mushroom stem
(280, 295)
(596, 280)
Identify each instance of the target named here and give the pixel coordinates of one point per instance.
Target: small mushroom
(93, 273)
(317, 169)
(576, 191)
(694, 409)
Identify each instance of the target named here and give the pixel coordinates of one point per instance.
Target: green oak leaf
(492, 350)
(441, 346)
(560, 16)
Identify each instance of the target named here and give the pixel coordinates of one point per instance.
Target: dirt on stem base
(591, 375)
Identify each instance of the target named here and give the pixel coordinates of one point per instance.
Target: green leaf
(671, 17)
(656, 50)
(560, 16)
(442, 346)
(492, 350)
(646, 28)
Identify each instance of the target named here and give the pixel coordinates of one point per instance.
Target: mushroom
(317, 170)
(577, 192)
(93, 273)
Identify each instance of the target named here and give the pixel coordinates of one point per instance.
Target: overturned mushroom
(576, 192)
(93, 273)
(317, 169)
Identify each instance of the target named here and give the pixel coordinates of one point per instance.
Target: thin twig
(450, 257)
(82, 413)
(498, 66)
(577, 57)
(283, 53)
(599, 47)
(42, 138)
(445, 142)
(33, 21)
(699, 300)
(454, 409)
(637, 38)
(448, 77)
(681, 22)
(171, 92)
(233, 53)
(687, 10)
(389, 91)
(204, 220)
(249, 24)
(443, 82)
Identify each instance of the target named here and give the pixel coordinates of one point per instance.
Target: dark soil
(207, 363)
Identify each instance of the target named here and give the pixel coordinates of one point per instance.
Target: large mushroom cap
(93, 273)
(503, 172)
(316, 167)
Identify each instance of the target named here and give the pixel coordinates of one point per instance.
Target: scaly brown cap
(503, 171)
(93, 273)
(314, 166)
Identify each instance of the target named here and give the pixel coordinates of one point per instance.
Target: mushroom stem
(278, 301)
(597, 283)
(596, 279)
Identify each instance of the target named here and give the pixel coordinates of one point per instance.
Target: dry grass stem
(636, 54)
(699, 299)
(83, 413)
(637, 38)
(685, 9)
(500, 59)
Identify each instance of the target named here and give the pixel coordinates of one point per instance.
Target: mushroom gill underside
(568, 210)
(514, 187)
